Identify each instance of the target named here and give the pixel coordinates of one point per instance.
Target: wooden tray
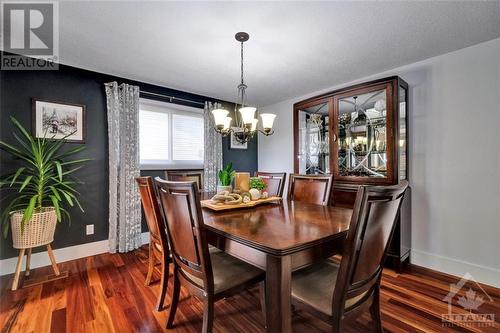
(218, 207)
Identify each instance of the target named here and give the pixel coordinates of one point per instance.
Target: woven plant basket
(37, 232)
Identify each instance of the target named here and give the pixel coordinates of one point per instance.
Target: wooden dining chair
(310, 188)
(195, 175)
(209, 274)
(158, 244)
(275, 182)
(338, 292)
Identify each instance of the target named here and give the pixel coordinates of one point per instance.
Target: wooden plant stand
(28, 262)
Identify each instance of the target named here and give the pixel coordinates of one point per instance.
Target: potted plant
(226, 176)
(38, 192)
(257, 185)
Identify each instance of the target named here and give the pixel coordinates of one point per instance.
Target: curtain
(212, 161)
(123, 142)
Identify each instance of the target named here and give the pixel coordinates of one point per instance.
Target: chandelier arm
(224, 133)
(265, 133)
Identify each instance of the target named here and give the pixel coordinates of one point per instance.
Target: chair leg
(53, 260)
(208, 315)
(151, 265)
(28, 263)
(375, 311)
(175, 299)
(18, 269)
(262, 296)
(163, 284)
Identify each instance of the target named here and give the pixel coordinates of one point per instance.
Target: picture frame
(56, 120)
(234, 144)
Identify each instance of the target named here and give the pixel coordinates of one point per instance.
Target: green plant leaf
(19, 171)
(72, 170)
(68, 197)
(55, 202)
(77, 161)
(70, 152)
(22, 129)
(26, 182)
(59, 170)
(23, 143)
(56, 193)
(28, 213)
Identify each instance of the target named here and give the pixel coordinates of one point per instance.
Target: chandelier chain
(242, 81)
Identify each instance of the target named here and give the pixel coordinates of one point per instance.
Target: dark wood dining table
(279, 238)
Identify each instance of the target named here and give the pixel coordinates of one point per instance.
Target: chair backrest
(180, 202)
(186, 176)
(275, 182)
(310, 188)
(372, 224)
(152, 211)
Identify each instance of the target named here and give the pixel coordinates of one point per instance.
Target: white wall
(454, 158)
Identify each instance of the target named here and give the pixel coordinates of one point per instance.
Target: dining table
(280, 238)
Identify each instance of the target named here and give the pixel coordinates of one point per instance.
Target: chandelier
(246, 122)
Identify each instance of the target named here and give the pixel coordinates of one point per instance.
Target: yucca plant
(44, 179)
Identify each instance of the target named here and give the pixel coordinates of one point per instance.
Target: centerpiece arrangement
(247, 192)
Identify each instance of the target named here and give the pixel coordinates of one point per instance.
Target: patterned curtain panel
(212, 161)
(123, 138)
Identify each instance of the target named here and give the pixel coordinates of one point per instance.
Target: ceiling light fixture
(245, 118)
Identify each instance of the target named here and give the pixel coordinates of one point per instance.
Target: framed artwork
(234, 144)
(57, 120)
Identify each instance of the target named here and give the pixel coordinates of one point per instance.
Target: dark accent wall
(75, 85)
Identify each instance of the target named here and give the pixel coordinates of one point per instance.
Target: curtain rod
(171, 98)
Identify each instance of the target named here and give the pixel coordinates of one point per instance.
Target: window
(170, 136)
(186, 146)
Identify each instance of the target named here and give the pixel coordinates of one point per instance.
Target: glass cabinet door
(403, 134)
(363, 147)
(313, 139)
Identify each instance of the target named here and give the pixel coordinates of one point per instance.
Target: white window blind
(170, 136)
(153, 136)
(188, 138)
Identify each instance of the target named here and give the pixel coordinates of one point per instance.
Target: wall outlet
(90, 229)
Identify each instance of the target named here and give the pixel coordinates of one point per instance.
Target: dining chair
(158, 244)
(195, 175)
(310, 188)
(336, 292)
(275, 182)
(209, 274)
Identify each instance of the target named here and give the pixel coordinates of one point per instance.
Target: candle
(242, 181)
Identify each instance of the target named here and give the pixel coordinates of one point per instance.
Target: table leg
(278, 294)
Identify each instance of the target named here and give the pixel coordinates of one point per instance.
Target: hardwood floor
(106, 293)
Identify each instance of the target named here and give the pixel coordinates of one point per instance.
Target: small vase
(222, 188)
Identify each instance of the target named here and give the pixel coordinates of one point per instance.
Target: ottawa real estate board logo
(30, 35)
(469, 296)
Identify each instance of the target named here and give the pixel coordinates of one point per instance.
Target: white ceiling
(294, 48)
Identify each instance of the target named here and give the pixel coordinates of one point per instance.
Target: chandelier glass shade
(245, 116)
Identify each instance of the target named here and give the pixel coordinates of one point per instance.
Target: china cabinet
(359, 134)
